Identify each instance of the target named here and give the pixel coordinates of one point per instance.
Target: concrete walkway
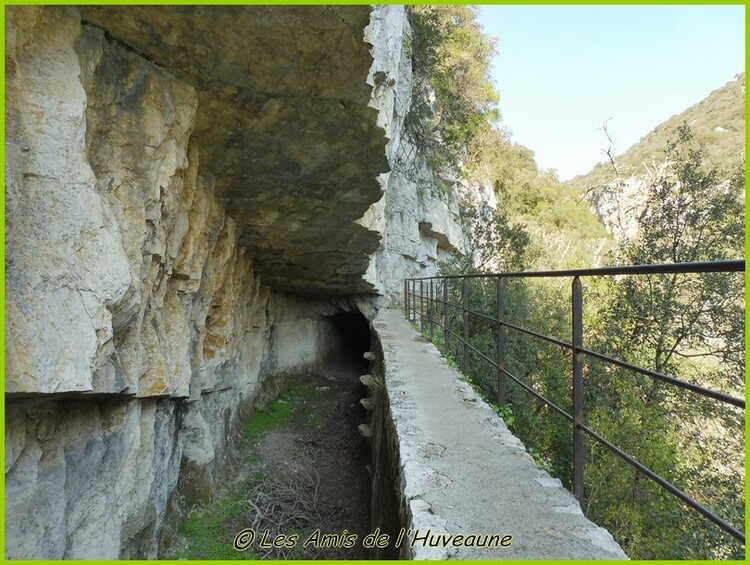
(463, 472)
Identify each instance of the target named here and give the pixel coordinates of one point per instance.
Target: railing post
(466, 325)
(500, 341)
(408, 305)
(414, 300)
(421, 305)
(406, 298)
(445, 314)
(578, 446)
(432, 309)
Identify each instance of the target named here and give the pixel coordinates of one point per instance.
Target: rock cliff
(617, 195)
(190, 193)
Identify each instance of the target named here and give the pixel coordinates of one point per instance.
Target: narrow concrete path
(463, 472)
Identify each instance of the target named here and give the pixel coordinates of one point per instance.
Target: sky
(563, 71)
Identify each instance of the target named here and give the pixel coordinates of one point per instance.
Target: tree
(689, 215)
(689, 326)
(454, 104)
(493, 242)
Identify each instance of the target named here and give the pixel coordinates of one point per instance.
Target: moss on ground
(209, 530)
(275, 414)
(281, 411)
(277, 485)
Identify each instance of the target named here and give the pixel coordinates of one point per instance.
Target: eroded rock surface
(419, 223)
(190, 192)
(284, 126)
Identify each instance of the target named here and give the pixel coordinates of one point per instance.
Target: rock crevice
(190, 193)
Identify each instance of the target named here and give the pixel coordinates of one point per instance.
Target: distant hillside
(718, 121)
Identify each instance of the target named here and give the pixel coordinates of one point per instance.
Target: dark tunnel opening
(352, 332)
(308, 456)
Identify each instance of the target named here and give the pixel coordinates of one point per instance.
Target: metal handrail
(427, 300)
(723, 266)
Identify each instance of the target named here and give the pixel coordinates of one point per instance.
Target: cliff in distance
(717, 122)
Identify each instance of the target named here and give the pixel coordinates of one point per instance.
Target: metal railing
(420, 296)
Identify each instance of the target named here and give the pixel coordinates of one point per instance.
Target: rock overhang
(284, 127)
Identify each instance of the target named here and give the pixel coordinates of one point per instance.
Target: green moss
(210, 531)
(271, 416)
(297, 393)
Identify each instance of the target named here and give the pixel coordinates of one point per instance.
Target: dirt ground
(302, 467)
(321, 455)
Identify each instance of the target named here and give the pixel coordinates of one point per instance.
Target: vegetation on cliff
(687, 326)
(455, 121)
(717, 123)
(454, 103)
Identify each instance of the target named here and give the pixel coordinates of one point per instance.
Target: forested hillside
(717, 122)
(687, 326)
(538, 221)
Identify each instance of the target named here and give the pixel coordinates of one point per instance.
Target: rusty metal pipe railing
(724, 266)
(579, 353)
(500, 340)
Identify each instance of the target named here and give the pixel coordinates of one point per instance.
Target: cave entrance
(348, 338)
(317, 461)
(304, 462)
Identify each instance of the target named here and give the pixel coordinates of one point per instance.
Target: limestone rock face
(618, 205)
(284, 126)
(66, 268)
(190, 193)
(88, 478)
(126, 283)
(419, 222)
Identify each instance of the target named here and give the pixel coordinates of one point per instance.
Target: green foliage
(506, 413)
(559, 228)
(689, 326)
(268, 417)
(453, 102)
(453, 119)
(493, 242)
(209, 531)
(689, 215)
(533, 195)
(281, 411)
(718, 123)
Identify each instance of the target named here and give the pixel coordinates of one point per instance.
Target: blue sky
(562, 71)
